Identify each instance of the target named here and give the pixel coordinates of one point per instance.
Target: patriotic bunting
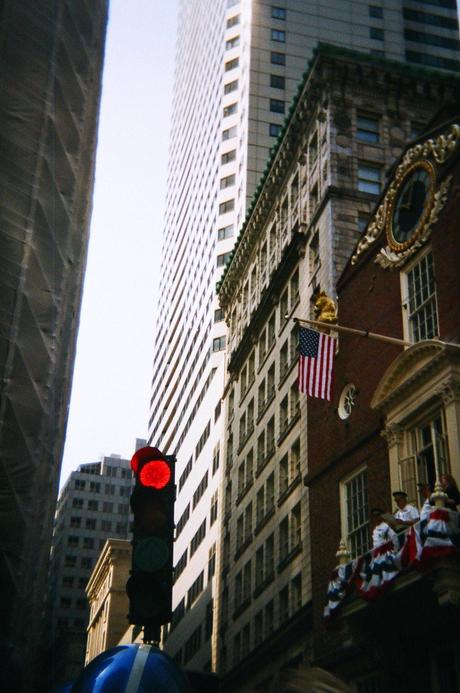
(436, 535)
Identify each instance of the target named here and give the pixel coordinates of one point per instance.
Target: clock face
(412, 205)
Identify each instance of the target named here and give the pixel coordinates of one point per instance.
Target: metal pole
(352, 330)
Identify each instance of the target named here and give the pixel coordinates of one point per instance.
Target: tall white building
(238, 66)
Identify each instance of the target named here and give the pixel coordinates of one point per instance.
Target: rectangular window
(278, 35)
(225, 232)
(375, 11)
(228, 156)
(367, 129)
(362, 222)
(278, 12)
(231, 86)
(231, 65)
(183, 477)
(429, 443)
(277, 82)
(230, 109)
(424, 58)
(223, 258)
(227, 205)
(428, 18)
(232, 43)
(356, 520)
(432, 39)
(192, 645)
(274, 129)
(218, 343)
(180, 565)
(421, 300)
(277, 106)
(284, 604)
(233, 21)
(183, 520)
(277, 58)
(198, 538)
(376, 33)
(369, 179)
(229, 133)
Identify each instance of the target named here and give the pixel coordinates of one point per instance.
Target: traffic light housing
(149, 587)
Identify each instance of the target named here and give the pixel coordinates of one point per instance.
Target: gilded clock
(411, 205)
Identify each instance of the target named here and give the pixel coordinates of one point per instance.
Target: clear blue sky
(111, 385)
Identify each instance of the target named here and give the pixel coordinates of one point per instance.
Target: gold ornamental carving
(325, 308)
(421, 157)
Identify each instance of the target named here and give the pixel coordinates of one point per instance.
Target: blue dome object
(132, 669)
(64, 688)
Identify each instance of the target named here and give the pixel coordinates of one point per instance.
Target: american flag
(316, 356)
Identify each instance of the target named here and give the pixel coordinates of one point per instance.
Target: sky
(113, 368)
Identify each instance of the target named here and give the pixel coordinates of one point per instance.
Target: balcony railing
(434, 538)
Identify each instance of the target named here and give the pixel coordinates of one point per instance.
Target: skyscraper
(238, 66)
(93, 506)
(51, 56)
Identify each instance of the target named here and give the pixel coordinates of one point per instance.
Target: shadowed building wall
(51, 57)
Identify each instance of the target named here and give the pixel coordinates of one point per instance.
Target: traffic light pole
(151, 635)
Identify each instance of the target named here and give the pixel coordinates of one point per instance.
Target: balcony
(429, 551)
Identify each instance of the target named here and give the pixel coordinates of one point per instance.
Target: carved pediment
(410, 368)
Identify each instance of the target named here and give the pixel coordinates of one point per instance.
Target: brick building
(394, 422)
(351, 118)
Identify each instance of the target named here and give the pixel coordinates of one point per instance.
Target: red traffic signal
(151, 468)
(152, 501)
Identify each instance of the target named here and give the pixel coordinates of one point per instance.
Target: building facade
(92, 507)
(238, 65)
(394, 423)
(312, 205)
(51, 65)
(107, 598)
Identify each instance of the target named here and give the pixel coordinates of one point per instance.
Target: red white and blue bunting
(435, 536)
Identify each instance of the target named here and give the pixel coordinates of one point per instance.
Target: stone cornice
(411, 368)
(329, 67)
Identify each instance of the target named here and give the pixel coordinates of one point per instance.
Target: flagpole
(352, 330)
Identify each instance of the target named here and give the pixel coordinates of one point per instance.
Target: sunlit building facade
(237, 68)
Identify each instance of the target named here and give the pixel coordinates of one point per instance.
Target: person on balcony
(449, 486)
(382, 533)
(406, 514)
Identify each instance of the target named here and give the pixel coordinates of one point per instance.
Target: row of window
(288, 354)
(70, 581)
(66, 603)
(103, 525)
(105, 506)
(86, 542)
(193, 643)
(70, 561)
(289, 602)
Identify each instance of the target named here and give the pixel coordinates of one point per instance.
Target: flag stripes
(316, 358)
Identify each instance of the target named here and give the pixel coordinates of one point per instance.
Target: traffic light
(149, 587)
